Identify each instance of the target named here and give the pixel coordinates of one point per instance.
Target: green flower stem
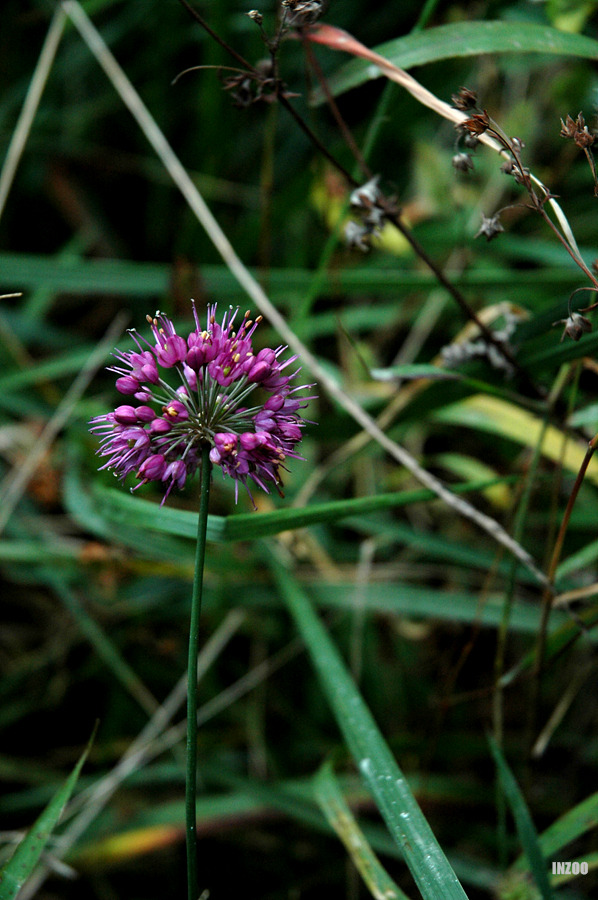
(191, 769)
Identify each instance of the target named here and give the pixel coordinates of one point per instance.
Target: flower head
(208, 388)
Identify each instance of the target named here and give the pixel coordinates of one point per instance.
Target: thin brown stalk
(548, 592)
(343, 127)
(230, 50)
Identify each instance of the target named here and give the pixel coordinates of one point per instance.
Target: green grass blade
(120, 506)
(23, 861)
(567, 828)
(153, 280)
(429, 866)
(576, 562)
(523, 822)
(463, 39)
(335, 808)
(401, 598)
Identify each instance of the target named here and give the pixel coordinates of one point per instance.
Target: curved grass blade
(117, 506)
(429, 866)
(462, 39)
(567, 828)
(22, 863)
(523, 822)
(339, 816)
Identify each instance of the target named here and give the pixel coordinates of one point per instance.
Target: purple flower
(160, 437)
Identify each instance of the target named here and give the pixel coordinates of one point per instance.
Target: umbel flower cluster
(159, 434)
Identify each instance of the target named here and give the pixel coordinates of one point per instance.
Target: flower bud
(125, 415)
(152, 468)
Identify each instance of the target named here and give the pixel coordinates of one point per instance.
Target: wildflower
(159, 433)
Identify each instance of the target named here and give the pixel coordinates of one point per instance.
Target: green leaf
(462, 39)
(23, 861)
(523, 822)
(429, 866)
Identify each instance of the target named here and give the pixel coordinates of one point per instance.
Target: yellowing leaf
(492, 414)
(128, 844)
(468, 468)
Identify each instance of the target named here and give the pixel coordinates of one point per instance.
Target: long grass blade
(25, 858)
(523, 822)
(116, 505)
(335, 808)
(429, 866)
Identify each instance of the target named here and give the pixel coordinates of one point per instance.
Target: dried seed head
(462, 162)
(367, 195)
(471, 141)
(358, 235)
(241, 87)
(465, 99)
(300, 13)
(490, 227)
(476, 124)
(576, 326)
(256, 16)
(517, 144)
(577, 130)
